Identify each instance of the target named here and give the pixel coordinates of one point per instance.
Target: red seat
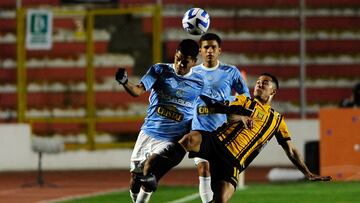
(60, 128)
(115, 128)
(312, 71)
(120, 127)
(59, 74)
(40, 100)
(28, 3)
(314, 94)
(297, 115)
(265, 23)
(59, 49)
(9, 24)
(249, 3)
(281, 47)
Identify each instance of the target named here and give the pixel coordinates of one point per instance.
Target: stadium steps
(9, 24)
(256, 23)
(282, 47)
(76, 128)
(59, 49)
(250, 23)
(59, 74)
(71, 99)
(115, 99)
(314, 95)
(248, 3)
(28, 3)
(312, 71)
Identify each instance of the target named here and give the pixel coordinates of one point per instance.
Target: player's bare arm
(134, 90)
(295, 157)
(122, 78)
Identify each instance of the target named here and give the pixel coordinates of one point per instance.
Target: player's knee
(135, 183)
(149, 182)
(203, 169)
(191, 141)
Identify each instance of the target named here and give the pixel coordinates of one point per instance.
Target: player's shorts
(198, 160)
(223, 166)
(144, 147)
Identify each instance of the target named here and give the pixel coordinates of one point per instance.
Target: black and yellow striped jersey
(245, 144)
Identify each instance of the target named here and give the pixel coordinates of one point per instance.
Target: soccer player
(174, 89)
(232, 147)
(221, 79)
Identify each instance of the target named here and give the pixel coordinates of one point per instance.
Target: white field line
(83, 195)
(186, 198)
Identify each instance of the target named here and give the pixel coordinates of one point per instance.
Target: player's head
(210, 49)
(209, 37)
(185, 56)
(266, 87)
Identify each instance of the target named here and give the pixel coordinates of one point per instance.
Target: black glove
(121, 76)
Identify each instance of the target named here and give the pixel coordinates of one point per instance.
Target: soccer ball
(196, 21)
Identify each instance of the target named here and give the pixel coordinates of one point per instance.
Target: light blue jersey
(172, 101)
(220, 81)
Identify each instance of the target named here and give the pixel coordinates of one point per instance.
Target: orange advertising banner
(340, 143)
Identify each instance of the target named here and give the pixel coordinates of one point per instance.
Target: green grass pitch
(300, 192)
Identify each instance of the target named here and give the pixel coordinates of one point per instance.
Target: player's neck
(264, 101)
(211, 64)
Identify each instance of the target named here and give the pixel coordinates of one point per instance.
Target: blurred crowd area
(258, 36)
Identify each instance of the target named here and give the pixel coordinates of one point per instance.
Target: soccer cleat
(149, 182)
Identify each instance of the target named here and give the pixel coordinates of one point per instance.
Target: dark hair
(188, 47)
(210, 36)
(273, 78)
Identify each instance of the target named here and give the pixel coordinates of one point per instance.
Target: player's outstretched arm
(122, 78)
(235, 112)
(225, 109)
(295, 157)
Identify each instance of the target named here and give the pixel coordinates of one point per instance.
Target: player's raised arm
(295, 157)
(122, 78)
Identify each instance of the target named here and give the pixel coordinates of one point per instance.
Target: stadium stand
(258, 36)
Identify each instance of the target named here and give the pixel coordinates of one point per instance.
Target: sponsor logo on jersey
(170, 113)
(205, 110)
(177, 100)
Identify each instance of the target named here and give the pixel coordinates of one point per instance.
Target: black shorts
(223, 166)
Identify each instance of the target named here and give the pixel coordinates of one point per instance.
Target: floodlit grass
(301, 192)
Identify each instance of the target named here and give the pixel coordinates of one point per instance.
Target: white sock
(143, 197)
(205, 191)
(133, 196)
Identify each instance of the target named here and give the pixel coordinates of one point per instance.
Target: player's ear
(274, 91)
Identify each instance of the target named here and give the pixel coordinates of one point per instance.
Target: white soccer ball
(196, 21)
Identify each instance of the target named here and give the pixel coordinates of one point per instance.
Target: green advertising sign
(39, 29)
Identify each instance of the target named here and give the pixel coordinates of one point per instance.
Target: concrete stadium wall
(16, 153)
